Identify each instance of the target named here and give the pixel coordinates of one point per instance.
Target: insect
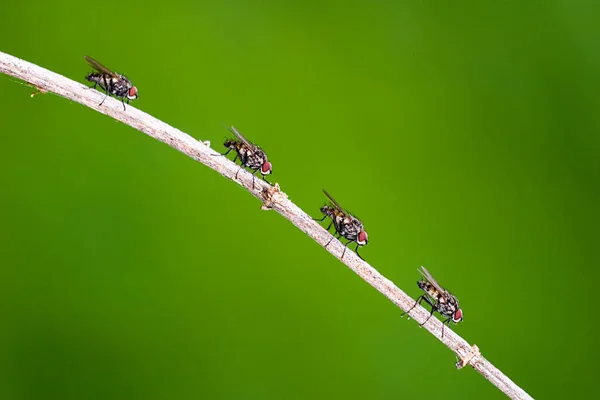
(250, 155)
(439, 299)
(111, 82)
(346, 225)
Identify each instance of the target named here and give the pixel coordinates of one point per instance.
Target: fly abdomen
(96, 78)
(230, 144)
(428, 288)
(329, 211)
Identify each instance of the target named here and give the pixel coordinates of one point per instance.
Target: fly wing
(99, 67)
(239, 136)
(428, 276)
(335, 203)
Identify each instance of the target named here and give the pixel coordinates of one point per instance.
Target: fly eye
(458, 316)
(363, 238)
(266, 168)
(133, 93)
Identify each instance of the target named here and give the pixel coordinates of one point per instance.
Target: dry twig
(272, 198)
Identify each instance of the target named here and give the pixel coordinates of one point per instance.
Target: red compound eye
(363, 238)
(133, 93)
(458, 316)
(266, 168)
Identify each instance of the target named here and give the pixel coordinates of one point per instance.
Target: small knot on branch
(468, 358)
(270, 196)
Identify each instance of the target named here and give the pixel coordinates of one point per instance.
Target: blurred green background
(465, 136)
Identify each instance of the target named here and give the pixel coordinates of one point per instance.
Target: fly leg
(224, 154)
(105, 89)
(123, 101)
(254, 172)
(446, 322)
(346, 246)
(416, 302)
(238, 171)
(265, 179)
(323, 219)
(356, 251)
(96, 85)
(102, 102)
(432, 309)
(338, 236)
(243, 162)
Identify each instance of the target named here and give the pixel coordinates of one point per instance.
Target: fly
(346, 225)
(439, 299)
(111, 82)
(250, 155)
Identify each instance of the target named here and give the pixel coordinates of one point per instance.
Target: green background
(464, 135)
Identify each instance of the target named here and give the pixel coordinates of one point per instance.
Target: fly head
(132, 93)
(266, 168)
(457, 316)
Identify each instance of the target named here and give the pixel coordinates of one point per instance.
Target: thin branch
(271, 196)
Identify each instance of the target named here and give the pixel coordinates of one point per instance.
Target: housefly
(250, 155)
(111, 82)
(439, 299)
(346, 225)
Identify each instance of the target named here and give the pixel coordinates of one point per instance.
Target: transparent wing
(99, 67)
(428, 276)
(335, 203)
(239, 136)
